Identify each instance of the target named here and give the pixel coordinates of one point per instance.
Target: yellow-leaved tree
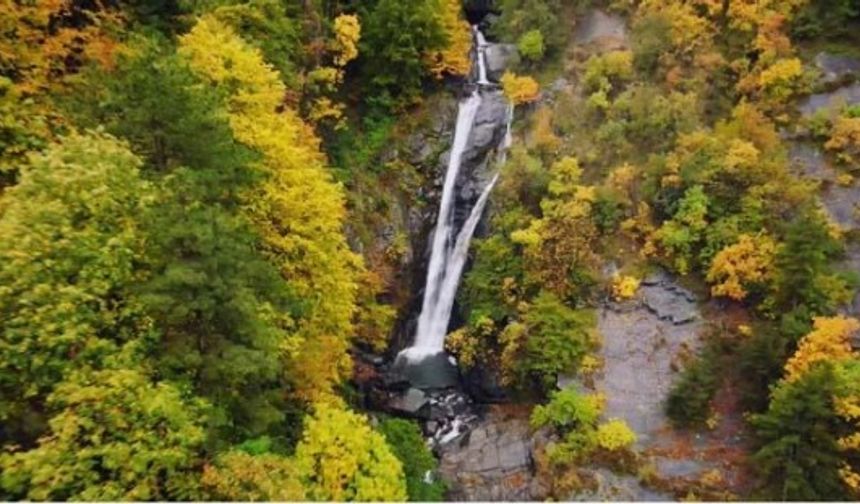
(738, 266)
(454, 58)
(830, 340)
(323, 81)
(520, 89)
(347, 32)
(559, 247)
(340, 458)
(297, 208)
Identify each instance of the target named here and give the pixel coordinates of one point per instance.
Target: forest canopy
(211, 214)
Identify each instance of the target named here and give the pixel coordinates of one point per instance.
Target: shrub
(518, 89)
(624, 287)
(406, 442)
(688, 404)
(575, 417)
(531, 46)
(615, 435)
(558, 338)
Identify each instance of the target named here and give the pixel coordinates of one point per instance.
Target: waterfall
(449, 253)
(430, 338)
(482, 60)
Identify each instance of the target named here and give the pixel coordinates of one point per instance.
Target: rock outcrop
(668, 300)
(836, 68)
(644, 342)
(493, 462)
(845, 95)
(599, 27)
(500, 57)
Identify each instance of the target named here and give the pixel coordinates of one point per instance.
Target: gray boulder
(410, 402)
(500, 57)
(843, 96)
(489, 127)
(836, 67)
(668, 300)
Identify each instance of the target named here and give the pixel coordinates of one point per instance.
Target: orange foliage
(749, 261)
(41, 42)
(454, 58)
(520, 89)
(845, 139)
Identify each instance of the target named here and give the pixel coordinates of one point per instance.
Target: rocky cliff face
(427, 148)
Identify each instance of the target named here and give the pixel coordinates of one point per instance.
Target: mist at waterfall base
(426, 364)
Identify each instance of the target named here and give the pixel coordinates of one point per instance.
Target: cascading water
(430, 337)
(481, 43)
(449, 253)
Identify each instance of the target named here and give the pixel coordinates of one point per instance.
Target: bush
(405, 439)
(531, 46)
(615, 435)
(558, 338)
(520, 17)
(689, 401)
(575, 417)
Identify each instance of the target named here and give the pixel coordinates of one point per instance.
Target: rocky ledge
(494, 461)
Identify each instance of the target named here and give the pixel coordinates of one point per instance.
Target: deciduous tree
(340, 458)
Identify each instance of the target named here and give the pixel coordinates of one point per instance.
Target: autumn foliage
(520, 89)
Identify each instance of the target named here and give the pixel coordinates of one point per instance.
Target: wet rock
(484, 385)
(489, 126)
(836, 67)
(846, 95)
(431, 427)
(668, 300)
(493, 463)
(428, 372)
(599, 27)
(393, 380)
(409, 403)
(499, 57)
(638, 350)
